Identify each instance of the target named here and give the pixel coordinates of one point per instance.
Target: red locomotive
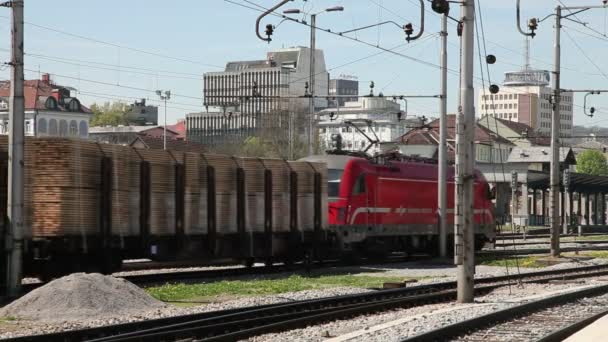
(381, 205)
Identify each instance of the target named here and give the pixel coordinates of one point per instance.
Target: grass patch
(593, 254)
(240, 288)
(7, 319)
(587, 238)
(529, 261)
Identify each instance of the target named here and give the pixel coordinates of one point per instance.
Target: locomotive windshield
(333, 183)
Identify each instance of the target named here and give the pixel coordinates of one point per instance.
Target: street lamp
(311, 81)
(164, 96)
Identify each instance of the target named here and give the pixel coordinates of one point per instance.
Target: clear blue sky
(203, 35)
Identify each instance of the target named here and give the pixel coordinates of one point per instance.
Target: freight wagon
(89, 206)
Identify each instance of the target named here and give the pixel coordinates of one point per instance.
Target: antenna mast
(526, 53)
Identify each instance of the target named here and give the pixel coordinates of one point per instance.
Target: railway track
(245, 322)
(532, 235)
(549, 319)
(532, 251)
(528, 243)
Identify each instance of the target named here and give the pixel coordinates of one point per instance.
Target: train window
(333, 182)
(359, 187)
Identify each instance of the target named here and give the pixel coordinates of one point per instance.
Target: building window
(73, 130)
(28, 126)
(83, 130)
(63, 128)
(42, 129)
(53, 127)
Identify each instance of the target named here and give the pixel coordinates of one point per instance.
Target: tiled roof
(430, 134)
(179, 128)
(125, 129)
(172, 144)
(36, 92)
(525, 130)
(539, 154)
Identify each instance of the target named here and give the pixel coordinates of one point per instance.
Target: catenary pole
(311, 114)
(465, 148)
(443, 164)
(555, 128)
(16, 116)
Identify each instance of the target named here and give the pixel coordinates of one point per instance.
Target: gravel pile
(81, 295)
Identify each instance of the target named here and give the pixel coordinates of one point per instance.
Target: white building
(382, 113)
(526, 97)
(50, 110)
(284, 73)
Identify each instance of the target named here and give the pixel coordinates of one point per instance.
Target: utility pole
(442, 184)
(465, 148)
(311, 81)
(164, 96)
(513, 199)
(555, 125)
(16, 116)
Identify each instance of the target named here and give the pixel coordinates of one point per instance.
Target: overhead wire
(103, 42)
(580, 49)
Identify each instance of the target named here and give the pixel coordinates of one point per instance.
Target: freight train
(89, 206)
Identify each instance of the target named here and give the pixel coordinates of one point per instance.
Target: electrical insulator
(592, 109)
(459, 28)
(269, 30)
(490, 59)
(566, 178)
(409, 30)
(332, 116)
(440, 6)
(336, 141)
(399, 115)
(533, 25)
(494, 89)
(513, 179)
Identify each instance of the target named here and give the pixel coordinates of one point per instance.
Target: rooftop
(125, 129)
(540, 154)
(44, 94)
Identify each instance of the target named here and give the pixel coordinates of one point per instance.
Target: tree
(592, 162)
(109, 114)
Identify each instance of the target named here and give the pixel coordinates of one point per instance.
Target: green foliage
(109, 114)
(171, 292)
(592, 162)
(531, 261)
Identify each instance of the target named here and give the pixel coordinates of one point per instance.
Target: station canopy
(579, 182)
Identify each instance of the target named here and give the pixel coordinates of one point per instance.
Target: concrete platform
(595, 332)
